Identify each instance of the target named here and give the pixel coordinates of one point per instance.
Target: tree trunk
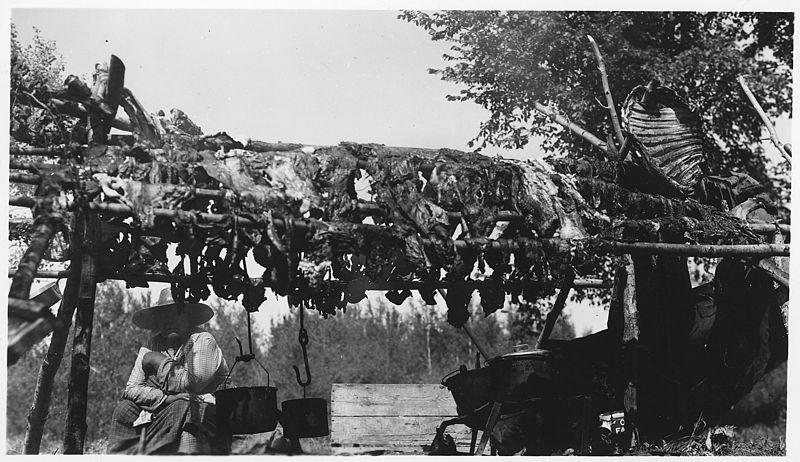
(55, 352)
(623, 325)
(428, 346)
(75, 430)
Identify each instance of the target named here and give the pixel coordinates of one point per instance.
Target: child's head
(151, 361)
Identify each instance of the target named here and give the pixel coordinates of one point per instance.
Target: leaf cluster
(36, 68)
(507, 60)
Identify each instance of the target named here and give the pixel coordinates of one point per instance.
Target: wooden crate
(397, 417)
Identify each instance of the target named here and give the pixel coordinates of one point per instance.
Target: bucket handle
(243, 358)
(460, 370)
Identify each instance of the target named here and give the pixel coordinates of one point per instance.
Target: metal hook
(303, 341)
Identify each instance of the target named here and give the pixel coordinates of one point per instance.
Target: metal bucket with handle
(304, 417)
(246, 410)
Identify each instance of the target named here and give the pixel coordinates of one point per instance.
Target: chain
(302, 337)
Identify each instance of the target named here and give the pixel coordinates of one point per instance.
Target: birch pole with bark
(773, 134)
(612, 109)
(37, 416)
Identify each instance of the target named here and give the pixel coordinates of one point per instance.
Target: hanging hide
(668, 133)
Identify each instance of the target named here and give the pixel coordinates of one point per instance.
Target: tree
(114, 344)
(374, 343)
(35, 70)
(507, 61)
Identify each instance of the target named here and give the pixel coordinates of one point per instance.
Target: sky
(311, 76)
(316, 77)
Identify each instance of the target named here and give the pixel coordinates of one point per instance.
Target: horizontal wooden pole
(22, 201)
(769, 228)
(24, 178)
(365, 208)
(699, 250)
(33, 151)
(587, 283)
(27, 166)
(591, 283)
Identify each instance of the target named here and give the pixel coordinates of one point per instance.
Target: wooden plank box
(397, 417)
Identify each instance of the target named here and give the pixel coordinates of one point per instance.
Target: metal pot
(470, 388)
(246, 410)
(304, 418)
(510, 378)
(524, 374)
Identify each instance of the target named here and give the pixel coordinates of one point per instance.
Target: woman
(168, 405)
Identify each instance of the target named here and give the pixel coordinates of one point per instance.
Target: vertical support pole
(487, 432)
(623, 324)
(588, 424)
(555, 312)
(664, 358)
(37, 416)
(630, 353)
(78, 389)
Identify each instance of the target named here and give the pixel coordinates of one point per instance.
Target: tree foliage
(36, 68)
(375, 343)
(506, 61)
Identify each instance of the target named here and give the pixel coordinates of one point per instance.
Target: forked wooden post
(607, 92)
(78, 389)
(37, 416)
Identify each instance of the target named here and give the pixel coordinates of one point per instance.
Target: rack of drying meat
(326, 223)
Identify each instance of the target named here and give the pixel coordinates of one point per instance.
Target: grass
(701, 445)
(756, 426)
(14, 446)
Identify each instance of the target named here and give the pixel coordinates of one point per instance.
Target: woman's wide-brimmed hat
(153, 318)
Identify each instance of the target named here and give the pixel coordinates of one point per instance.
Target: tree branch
(607, 91)
(574, 128)
(773, 135)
